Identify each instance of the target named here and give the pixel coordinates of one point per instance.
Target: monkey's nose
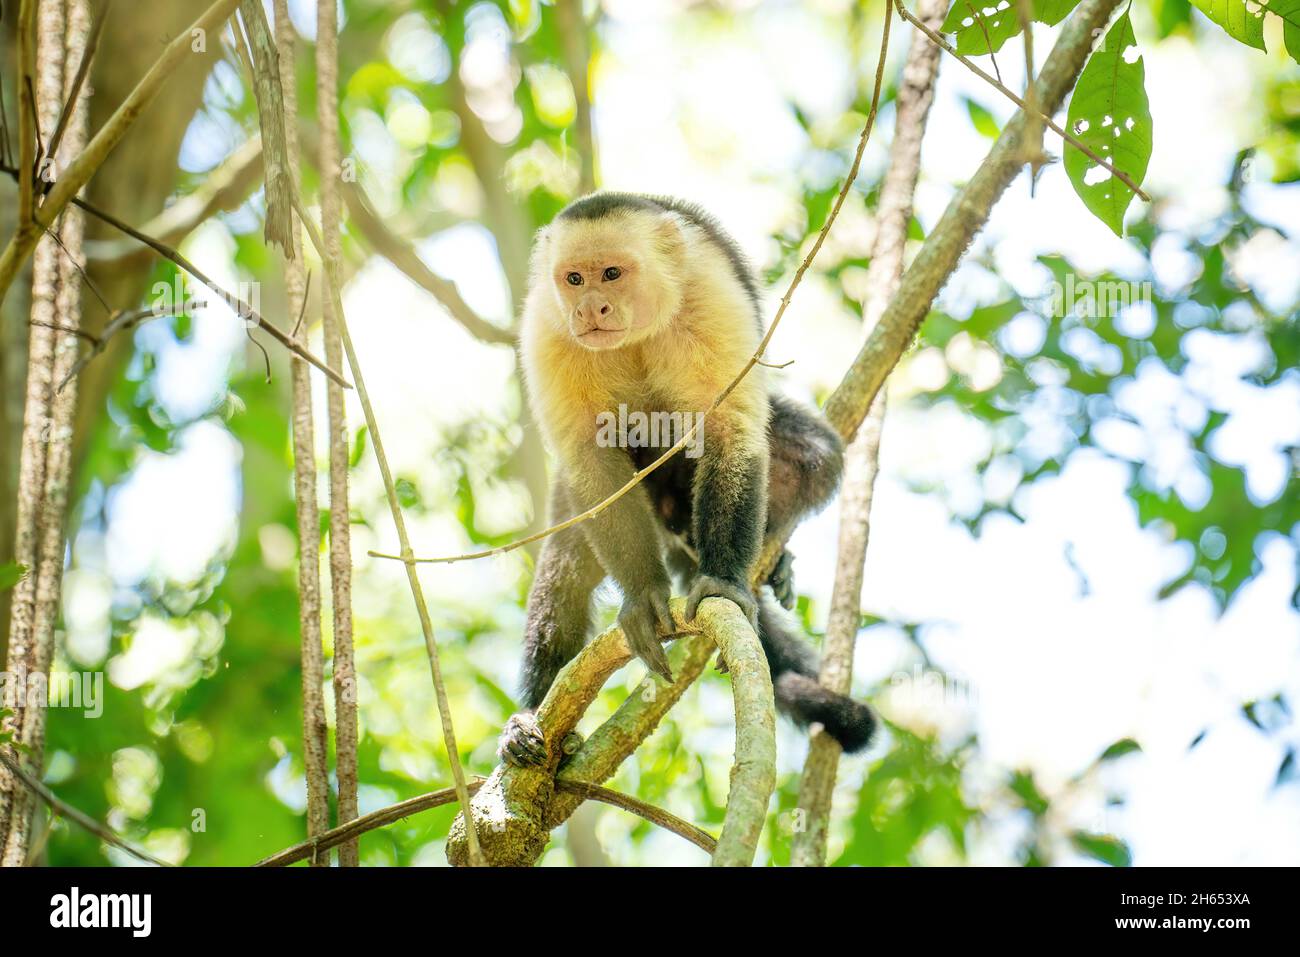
(593, 313)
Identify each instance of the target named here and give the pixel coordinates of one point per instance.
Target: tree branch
(88, 161)
(315, 733)
(223, 189)
(655, 815)
(242, 309)
(403, 255)
(399, 521)
(893, 215)
(265, 66)
(575, 43)
(512, 811)
(578, 791)
(330, 248)
(45, 463)
(1036, 116)
(965, 216)
(76, 816)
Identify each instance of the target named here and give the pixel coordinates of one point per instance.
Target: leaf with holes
(982, 27)
(1109, 114)
(1243, 19)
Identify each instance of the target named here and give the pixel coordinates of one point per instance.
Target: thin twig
(1034, 154)
(655, 815)
(119, 322)
(302, 311)
(80, 818)
(70, 330)
(223, 189)
(1034, 114)
(404, 256)
(988, 42)
(754, 360)
(85, 277)
(5, 155)
(399, 521)
(424, 802)
(241, 308)
(27, 116)
(88, 161)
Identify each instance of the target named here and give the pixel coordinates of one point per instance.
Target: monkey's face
(610, 283)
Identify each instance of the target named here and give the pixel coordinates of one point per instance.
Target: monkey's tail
(793, 663)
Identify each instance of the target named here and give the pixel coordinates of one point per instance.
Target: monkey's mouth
(598, 338)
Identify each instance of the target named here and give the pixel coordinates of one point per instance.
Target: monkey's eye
(612, 273)
(574, 279)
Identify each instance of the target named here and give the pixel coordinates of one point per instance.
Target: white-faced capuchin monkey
(642, 309)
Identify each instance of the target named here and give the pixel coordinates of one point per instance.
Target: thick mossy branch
(513, 810)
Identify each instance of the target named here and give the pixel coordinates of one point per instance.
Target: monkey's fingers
(521, 742)
(782, 580)
(707, 586)
(638, 618)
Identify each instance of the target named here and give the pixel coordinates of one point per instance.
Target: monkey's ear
(670, 236)
(537, 261)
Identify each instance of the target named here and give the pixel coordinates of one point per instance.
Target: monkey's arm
(625, 538)
(729, 512)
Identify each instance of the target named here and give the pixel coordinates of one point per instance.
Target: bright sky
(1049, 672)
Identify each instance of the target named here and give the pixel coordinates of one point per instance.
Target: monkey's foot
(570, 745)
(782, 580)
(521, 742)
(706, 586)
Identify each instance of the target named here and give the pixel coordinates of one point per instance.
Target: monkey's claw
(782, 580)
(706, 586)
(521, 742)
(643, 618)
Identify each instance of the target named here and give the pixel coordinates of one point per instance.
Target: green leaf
(1242, 19)
(1119, 749)
(978, 31)
(1289, 12)
(1109, 113)
(983, 27)
(1103, 847)
(982, 120)
(358, 447)
(11, 574)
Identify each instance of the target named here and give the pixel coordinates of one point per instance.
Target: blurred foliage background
(459, 119)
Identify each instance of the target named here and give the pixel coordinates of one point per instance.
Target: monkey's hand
(643, 617)
(706, 586)
(522, 744)
(782, 580)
